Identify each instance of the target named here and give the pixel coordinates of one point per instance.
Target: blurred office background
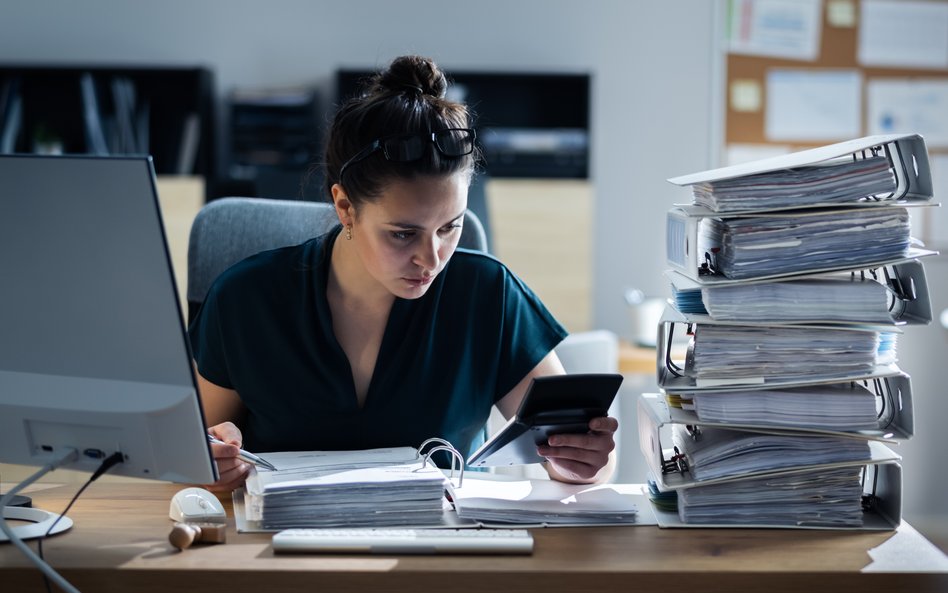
(661, 99)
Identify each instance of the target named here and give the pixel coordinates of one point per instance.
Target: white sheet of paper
(841, 13)
(318, 460)
(919, 106)
(905, 33)
(813, 105)
(777, 28)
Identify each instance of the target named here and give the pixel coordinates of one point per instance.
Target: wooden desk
(118, 543)
(636, 360)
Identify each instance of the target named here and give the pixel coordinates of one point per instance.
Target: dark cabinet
(167, 112)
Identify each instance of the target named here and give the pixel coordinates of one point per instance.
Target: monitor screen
(93, 351)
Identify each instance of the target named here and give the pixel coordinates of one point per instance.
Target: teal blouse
(265, 330)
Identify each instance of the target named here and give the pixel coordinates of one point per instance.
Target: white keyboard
(404, 541)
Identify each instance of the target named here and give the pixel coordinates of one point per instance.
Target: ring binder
(893, 415)
(442, 445)
(891, 294)
(791, 277)
(751, 344)
(672, 469)
(905, 154)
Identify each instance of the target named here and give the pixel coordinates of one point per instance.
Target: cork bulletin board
(838, 51)
(879, 54)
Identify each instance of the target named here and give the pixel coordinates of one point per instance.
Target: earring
(348, 232)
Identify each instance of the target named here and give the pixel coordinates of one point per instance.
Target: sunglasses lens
(455, 142)
(404, 148)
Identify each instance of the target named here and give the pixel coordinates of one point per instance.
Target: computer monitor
(93, 351)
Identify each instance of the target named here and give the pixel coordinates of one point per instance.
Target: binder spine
(909, 158)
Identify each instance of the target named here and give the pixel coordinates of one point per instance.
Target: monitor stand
(39, 522)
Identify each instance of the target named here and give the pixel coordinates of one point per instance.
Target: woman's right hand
(232, 470)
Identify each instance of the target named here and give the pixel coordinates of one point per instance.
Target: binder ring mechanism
(677, 464)
(442, 445)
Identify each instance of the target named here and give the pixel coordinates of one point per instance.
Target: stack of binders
(791, 279)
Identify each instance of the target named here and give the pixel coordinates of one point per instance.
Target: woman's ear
(342, 204)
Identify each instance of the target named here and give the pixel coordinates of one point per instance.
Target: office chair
(228, 230)
(477, 203)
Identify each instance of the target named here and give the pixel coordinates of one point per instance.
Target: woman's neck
(350, 282)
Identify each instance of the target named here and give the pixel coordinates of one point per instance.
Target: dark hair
(407, 98)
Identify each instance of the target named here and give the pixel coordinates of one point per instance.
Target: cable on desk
(61, 458)
(106, 465)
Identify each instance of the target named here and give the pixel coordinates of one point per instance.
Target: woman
(380, 333)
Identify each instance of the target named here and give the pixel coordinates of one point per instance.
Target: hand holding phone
(557, 404)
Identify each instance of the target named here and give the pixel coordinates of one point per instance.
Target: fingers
(585, 450)
(592, 441)
(233, 474)
(604, 424)
(573, 471)
(232, 470)
(581, 456)
(227, 432)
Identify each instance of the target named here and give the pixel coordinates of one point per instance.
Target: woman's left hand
(580, 457)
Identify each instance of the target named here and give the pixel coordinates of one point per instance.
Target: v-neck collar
(394, 326)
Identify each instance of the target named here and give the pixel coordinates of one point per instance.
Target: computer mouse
(197, 505)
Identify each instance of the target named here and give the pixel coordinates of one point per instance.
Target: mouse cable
(61, 457)
(106, 465)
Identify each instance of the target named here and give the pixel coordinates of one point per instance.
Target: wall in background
(652, 63)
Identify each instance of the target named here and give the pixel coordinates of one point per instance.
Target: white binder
(906, 153)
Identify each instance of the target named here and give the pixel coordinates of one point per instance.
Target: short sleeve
(207, 341)
(529, 333)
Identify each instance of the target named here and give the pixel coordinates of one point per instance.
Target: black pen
(246, 455)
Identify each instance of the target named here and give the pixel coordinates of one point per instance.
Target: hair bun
(413, 74)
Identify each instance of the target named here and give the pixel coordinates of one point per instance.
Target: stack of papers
(759, 246)
(845, 406)
(790, 275)
(740, 353)
(372, 488)
(548, 502)
(836, 182)
(822, 498)
(717, 453)
(369, 497)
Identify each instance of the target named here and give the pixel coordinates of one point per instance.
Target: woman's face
(406, 236)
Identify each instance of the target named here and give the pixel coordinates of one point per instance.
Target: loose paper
(813, 105)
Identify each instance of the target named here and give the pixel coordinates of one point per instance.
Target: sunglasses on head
(404, 148)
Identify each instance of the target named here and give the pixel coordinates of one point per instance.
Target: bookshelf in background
(167, 112)
(274, 140)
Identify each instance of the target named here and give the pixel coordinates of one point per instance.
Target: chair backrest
(228, 230)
